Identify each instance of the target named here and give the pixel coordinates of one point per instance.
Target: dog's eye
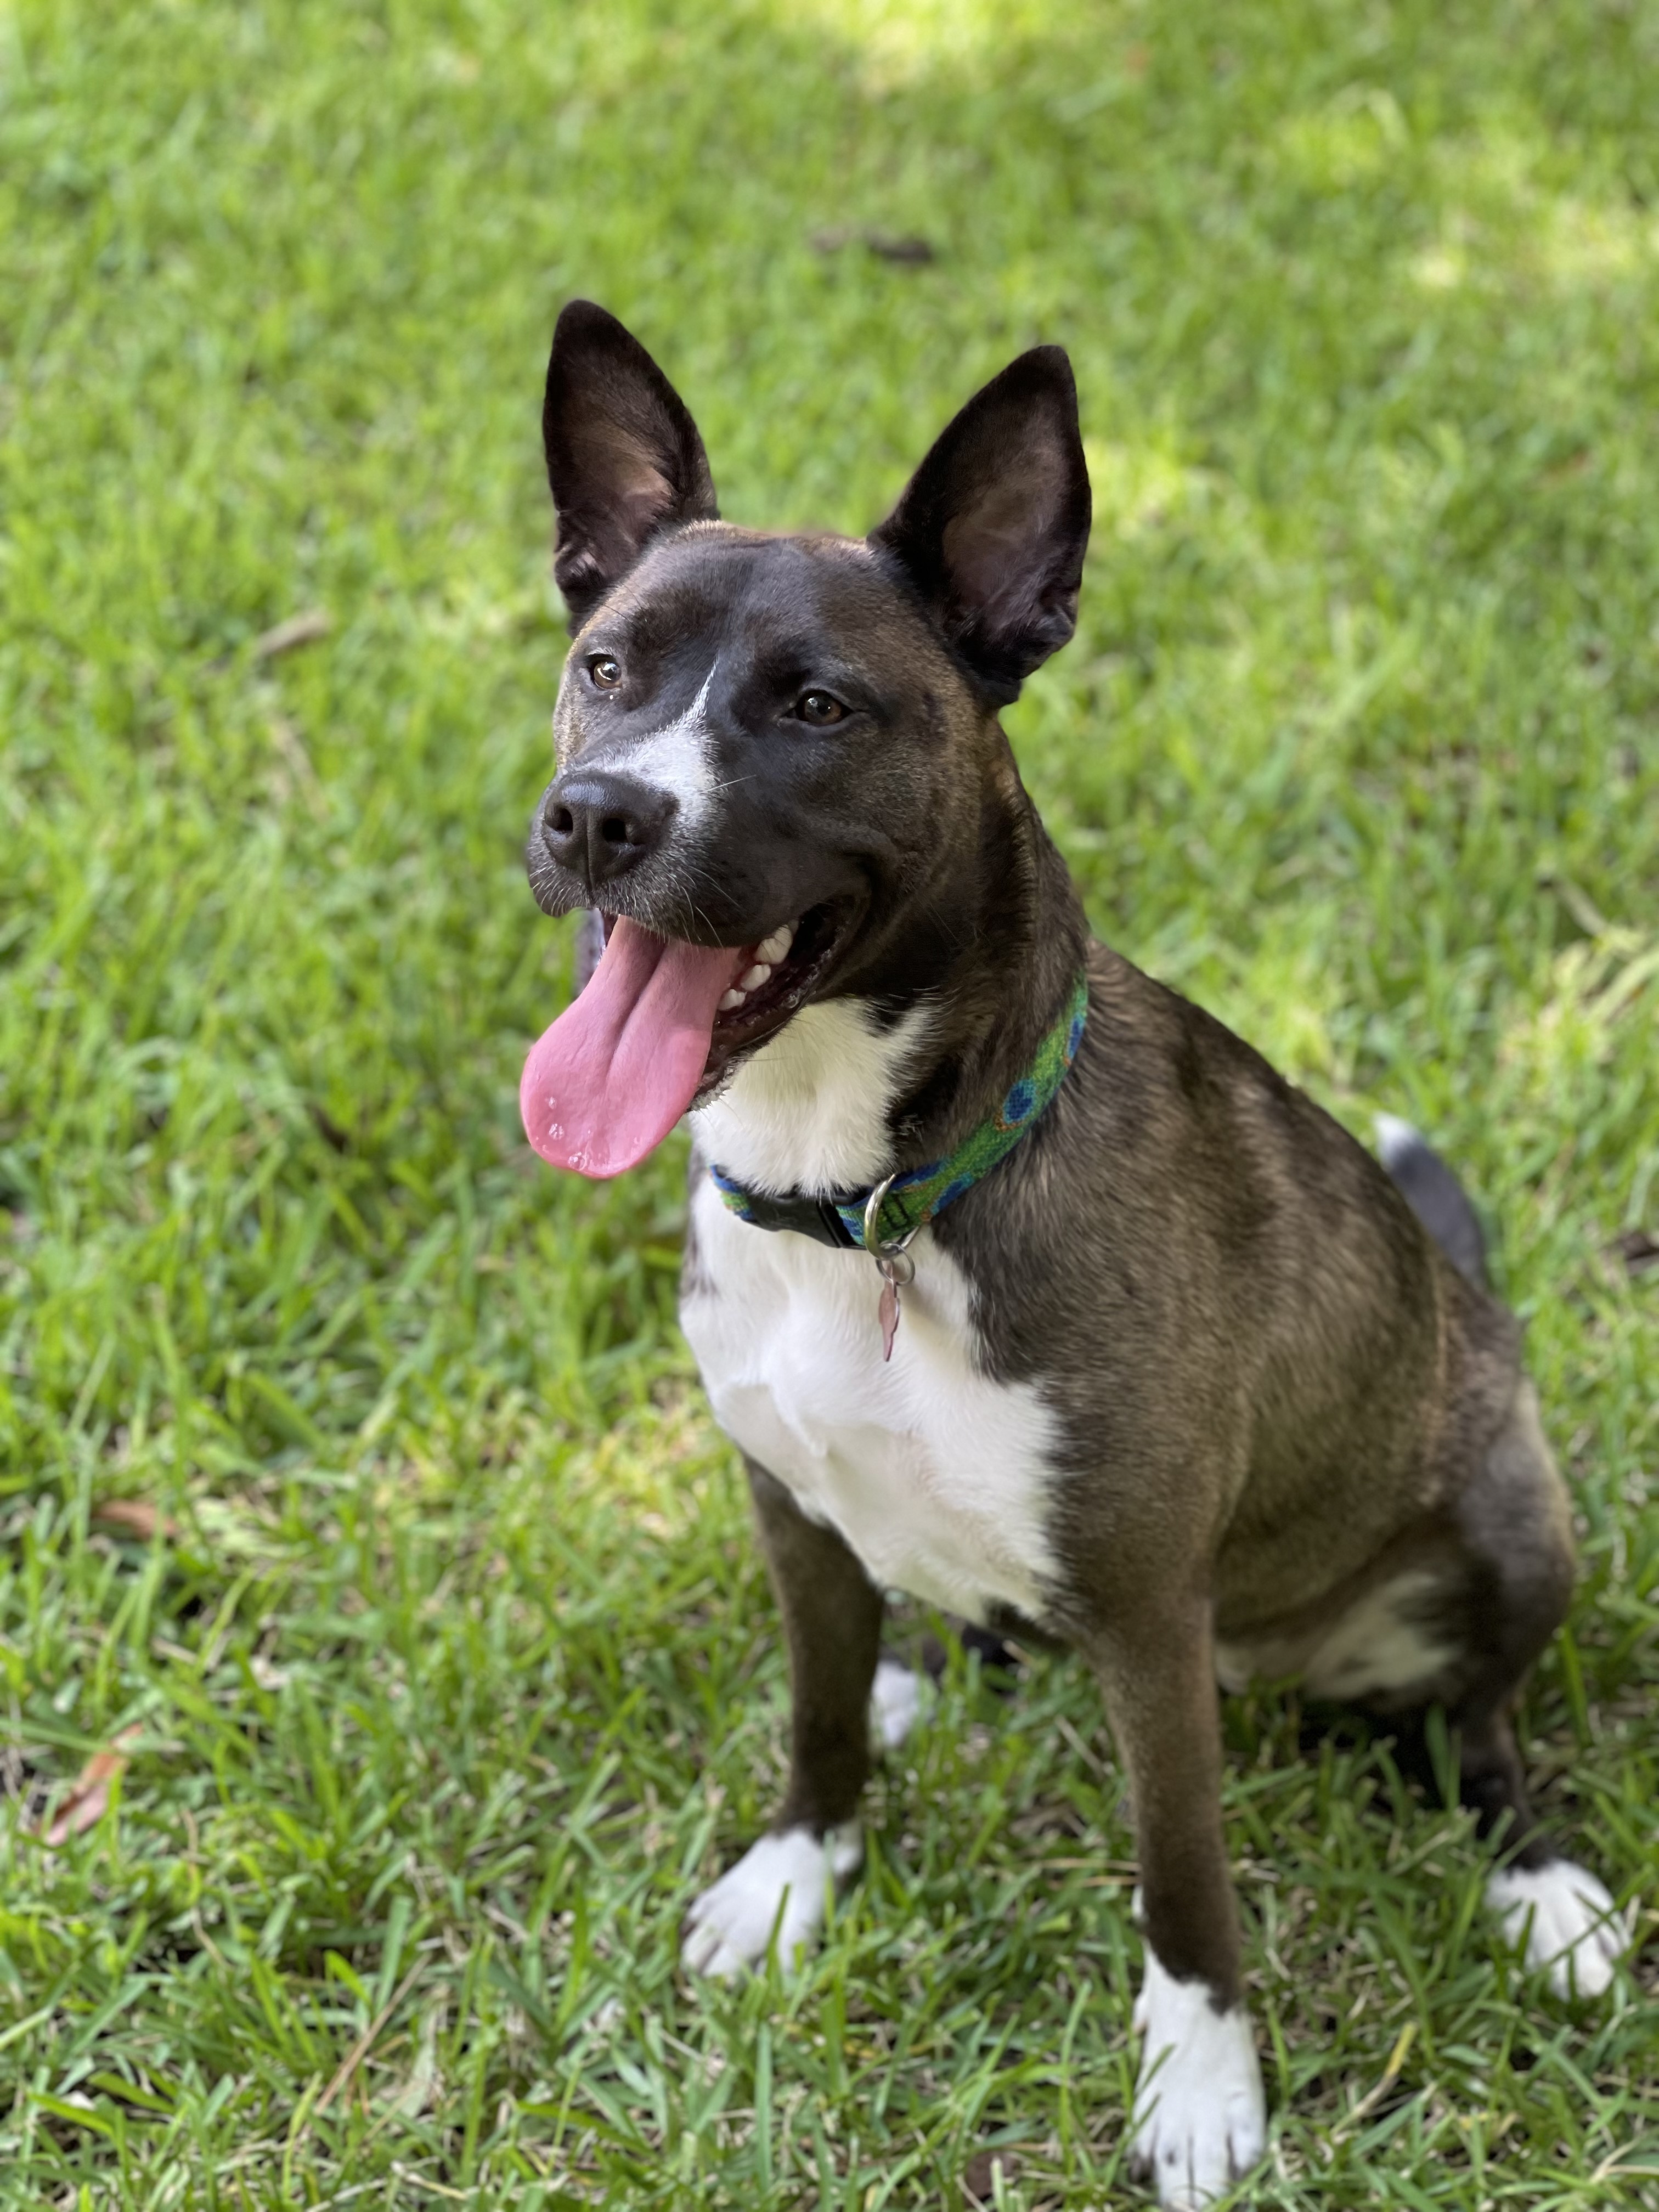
(820, 708)
(605, 670)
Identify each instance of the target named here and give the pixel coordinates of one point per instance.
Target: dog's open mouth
(656, 1030)
(785, 971)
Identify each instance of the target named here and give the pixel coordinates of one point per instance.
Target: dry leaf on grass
(909, 251)
(424, 2080)
(133, 1517)
(979, 2184)
(359, 2050)
(299, 630)
(89, 1801)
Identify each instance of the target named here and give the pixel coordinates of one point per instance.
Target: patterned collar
(914, 1198)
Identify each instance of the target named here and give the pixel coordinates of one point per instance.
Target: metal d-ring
(892, 1260)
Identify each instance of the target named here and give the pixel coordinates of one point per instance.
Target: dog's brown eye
(605, 670)
(819, 708)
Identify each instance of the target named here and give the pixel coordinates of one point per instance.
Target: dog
(1021, 1285)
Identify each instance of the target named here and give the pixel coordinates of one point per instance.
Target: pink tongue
(610, 1079)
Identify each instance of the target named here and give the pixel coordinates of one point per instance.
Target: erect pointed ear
(623, 456)
(992, 526)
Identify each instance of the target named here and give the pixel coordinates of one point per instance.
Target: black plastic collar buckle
(816, 1217)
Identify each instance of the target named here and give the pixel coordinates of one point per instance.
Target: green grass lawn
(447, 1670)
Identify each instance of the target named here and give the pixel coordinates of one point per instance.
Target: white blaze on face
(675, 758)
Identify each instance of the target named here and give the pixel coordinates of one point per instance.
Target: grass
(449, 1660)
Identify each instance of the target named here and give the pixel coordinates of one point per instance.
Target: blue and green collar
(912, 1199)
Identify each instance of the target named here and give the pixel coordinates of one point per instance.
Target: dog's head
(773, 752)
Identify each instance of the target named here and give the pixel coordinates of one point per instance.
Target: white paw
(897, 1698)
(1569, 1924)
(1201, 2119)
(778, 1885)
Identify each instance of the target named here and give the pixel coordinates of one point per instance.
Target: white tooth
(776, 944)
(753, 978)
(732, 999)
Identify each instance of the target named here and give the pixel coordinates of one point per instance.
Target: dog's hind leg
(1514, 1522)
(832, 1615)
(1558, 1913)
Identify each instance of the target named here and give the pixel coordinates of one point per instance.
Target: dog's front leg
(1200, 2118)
(832, 1616)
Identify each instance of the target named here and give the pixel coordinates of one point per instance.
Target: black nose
(599, 826)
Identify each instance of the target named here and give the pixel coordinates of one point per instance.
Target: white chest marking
(809, 1111)
(937, 1477)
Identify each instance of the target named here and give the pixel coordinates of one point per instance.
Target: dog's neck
(898, 1074)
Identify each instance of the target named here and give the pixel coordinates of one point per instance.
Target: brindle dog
(1188, 1381)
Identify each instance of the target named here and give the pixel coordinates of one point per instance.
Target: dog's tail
(1435, 1196)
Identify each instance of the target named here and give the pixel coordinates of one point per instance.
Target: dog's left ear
(992, 526)
(624, 457)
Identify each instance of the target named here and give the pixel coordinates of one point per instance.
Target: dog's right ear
(624, 457)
